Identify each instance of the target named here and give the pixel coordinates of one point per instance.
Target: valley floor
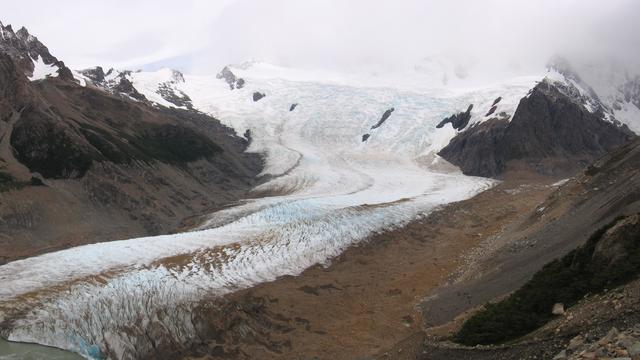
(368, 298)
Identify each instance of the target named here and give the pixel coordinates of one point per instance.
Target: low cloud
(345, 35)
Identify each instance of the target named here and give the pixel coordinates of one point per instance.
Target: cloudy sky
(200, 36)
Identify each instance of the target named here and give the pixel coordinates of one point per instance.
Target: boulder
(558, 309)
(258, 95)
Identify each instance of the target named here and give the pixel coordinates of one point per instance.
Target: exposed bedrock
(384, 118)
(550, 133)
(230, 78)
(459, 121)
(113, 167)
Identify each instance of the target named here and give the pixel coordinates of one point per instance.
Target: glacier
(327, 190)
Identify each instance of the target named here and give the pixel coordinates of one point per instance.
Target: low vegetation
(591, 268)
(57, 151)
(8, 182)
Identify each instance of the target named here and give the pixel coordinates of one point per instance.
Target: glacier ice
(327, 191)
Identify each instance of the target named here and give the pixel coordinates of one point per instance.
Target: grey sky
(200, 36)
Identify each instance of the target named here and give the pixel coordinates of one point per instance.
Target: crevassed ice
(331, 191)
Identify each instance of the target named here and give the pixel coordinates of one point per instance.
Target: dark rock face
(588, 95)
(170, 93)
(384, 118)
(13, 87)
(365, 137)
(258, 95)
(57, 149)
(550, 133)
(231, 79)
(126, 87)
(50, 148)
(174, 96)
(459, 121)
(125, 168)
(24, 48)
(475, 150)
(96, 74)
(120, 85)
(293, 107)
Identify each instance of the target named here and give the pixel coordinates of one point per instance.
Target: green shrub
(8, 182)
(565, 281)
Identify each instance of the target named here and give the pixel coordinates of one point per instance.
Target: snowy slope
(328, 190)
(604, 86)
(42, 70)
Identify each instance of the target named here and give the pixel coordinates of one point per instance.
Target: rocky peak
(113, 81)
(230, 78)
(25, 49)
(96, 74)
(563, 66)
(177, 76)
(551, 133)
(571, 84)
(460, 120)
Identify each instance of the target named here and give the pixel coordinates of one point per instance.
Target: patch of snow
(560, 183)
(42, 70)
(81, 79)
(629, 114)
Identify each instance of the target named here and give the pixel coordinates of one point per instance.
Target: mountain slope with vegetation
(79, 165)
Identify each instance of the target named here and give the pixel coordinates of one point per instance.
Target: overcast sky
(200, 36)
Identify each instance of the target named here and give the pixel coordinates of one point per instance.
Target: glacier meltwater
(328, 190)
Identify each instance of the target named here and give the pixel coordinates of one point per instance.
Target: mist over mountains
(375, 37)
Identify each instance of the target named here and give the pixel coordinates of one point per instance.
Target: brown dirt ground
(367, 299)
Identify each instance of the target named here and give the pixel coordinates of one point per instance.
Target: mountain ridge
(147, 169)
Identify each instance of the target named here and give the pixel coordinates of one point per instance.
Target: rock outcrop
(230, 78)
(25, 48)
(584, 235)
(114, 82)
(257, 96)
(551, 133)
(459, 121)
(384, 118)
(113, 165)
(172, 94)
(614, 345)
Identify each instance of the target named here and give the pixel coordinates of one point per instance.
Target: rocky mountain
(113, 81)
(569, 251)
(93, 155)
(88, 158)
(30, 54)
(231, 79)
(558, 128)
